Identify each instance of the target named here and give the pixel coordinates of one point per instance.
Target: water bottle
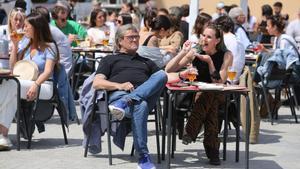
(3, 45)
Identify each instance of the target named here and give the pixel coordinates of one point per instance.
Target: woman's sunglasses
(119, 22)
(18, 9)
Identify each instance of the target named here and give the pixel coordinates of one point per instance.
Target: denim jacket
(99, 126)
(65, 92)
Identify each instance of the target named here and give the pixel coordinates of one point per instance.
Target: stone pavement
(278, 148)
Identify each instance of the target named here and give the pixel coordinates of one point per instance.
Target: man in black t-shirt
(134, 84)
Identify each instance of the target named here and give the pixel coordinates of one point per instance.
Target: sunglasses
(18, 9)
(119, 22)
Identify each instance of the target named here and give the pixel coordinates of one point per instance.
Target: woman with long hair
(202, 20)
(98, 30)
(264, 36)
(212, 63)
(149, 41)
(37, 47)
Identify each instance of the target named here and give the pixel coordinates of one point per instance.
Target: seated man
(134, 84)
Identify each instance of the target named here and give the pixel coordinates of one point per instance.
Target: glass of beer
(192, 74)
(18, 34)
(105, 41)
(78, 40)
(231, 73)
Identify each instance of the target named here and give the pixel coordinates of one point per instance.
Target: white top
(238, 51)
(282, 43)
(249, 26)
(4, 63)
(242, 36)
(293, 29)
(97, 34)
(63, 44)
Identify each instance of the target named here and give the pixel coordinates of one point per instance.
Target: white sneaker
(5, 143)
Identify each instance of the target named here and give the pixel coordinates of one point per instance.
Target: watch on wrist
(215, 75)
(182, 79)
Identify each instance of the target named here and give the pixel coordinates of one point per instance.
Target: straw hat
(26, 70)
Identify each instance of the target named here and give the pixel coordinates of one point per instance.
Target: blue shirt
(39, 56)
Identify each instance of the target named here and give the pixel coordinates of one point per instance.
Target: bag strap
(147, 40)
(294, 47)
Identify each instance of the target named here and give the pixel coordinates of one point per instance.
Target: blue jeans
(143, 100)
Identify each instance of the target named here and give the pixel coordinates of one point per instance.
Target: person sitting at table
(16, 19)
(282, 41)
(134, 84)
(39, 49)
(239, 18)
(65, 51)
(123, 19)
(212, 64)
(174, 40)
(233, 44)
(70, 28)
(149, 42)
(98, 30)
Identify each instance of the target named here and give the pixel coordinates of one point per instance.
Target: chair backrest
(279, 74)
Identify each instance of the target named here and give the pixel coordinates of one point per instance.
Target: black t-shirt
(123, 68)
(203, 69)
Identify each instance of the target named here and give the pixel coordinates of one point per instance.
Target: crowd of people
(150, 50)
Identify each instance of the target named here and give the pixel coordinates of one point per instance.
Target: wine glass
(231, 73)
(256, 47)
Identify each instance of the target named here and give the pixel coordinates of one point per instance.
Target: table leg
(165, 113)
(18, 114)
(170, 106)
(247, 130)
(225, 127)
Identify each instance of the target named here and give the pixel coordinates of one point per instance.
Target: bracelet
(215, 75)
(182, 79)
(36, 84)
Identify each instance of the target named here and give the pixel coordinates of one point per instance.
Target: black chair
(281, 75)
(96, 112)
(231, 109)
(39, 111)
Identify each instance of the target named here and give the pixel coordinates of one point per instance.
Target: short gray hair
(121, 32)
(235, 12)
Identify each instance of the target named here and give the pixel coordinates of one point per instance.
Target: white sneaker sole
(116, 112)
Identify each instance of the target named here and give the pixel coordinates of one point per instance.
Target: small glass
(231, 73)
(192, 74)
(105, 40)
(78, 40)
(18, 34)
(256, 47)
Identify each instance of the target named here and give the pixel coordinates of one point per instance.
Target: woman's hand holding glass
(190, 73)
(257, 47)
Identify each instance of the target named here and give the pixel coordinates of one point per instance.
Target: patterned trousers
(205, 112)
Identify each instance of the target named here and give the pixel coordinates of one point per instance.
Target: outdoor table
(169, 100)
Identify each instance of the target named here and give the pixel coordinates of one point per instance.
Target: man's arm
(100, 82)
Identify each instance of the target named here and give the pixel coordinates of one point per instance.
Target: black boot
(214, 158)
(207, 152)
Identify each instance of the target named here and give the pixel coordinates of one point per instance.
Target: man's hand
(127, 86)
